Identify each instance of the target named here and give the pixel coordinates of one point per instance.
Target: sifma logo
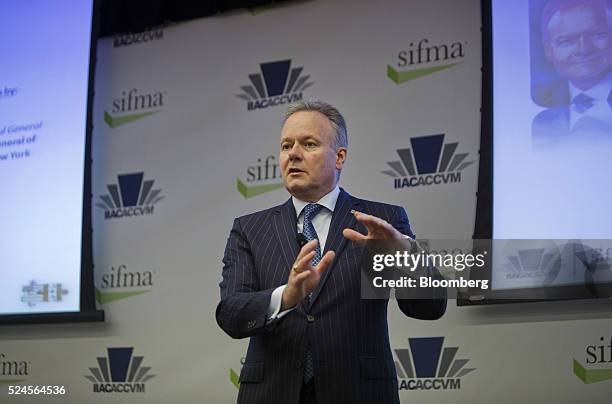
(153, 34)
(427, 163)
(133, 105)
(234, 376)
(13, 371)
(425, 366)
(119, 372)
(265, 176)
(596, 365)
(277, 84)
(130, 197)
(120, 283)
(417, 60)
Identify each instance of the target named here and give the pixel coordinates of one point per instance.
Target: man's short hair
(335, 118)
(552, 6)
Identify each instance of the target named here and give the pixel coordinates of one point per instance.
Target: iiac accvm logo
(151, 34)
(130, 197)
(522, 260)
(426, 366)
(277, 84)
(119, 372)
(430, 161)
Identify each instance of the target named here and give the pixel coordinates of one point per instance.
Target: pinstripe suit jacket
(348, 336)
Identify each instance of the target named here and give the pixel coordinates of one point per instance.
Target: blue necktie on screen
(310, 211)
(582, 102)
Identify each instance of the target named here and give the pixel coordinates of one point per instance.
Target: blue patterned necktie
(582, 102)
(310, 211)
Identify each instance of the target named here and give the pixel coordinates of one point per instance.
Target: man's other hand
(303, 277)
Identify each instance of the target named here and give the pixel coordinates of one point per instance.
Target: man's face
(579, 44)
(308, 159)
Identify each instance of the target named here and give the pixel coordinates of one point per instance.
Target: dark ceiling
(124, 16)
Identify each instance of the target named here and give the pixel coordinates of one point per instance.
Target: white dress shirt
(321, 223)
(600, 109)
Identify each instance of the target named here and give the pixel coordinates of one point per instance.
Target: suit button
(298, 364)
(310, 318)
(251, 323)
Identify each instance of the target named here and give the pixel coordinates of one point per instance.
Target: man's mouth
(586, 61)
(294, 171)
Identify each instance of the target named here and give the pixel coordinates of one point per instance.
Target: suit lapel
(341, 219)
(285, 227)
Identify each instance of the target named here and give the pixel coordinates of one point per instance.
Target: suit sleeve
(243, 308)
(422, 308)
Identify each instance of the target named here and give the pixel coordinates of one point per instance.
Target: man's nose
(295, 153)
(585, 43)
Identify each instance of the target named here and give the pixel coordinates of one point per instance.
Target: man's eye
(310, 144)
(285, 146)
(565, 42)
(599, 35)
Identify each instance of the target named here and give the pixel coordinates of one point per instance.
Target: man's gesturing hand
(303, 277)
(378, 229)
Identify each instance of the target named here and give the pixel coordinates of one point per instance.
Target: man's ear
(340, 157)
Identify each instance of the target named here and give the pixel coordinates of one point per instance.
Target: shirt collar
(599, 92)
(600, 110)
(328, 201)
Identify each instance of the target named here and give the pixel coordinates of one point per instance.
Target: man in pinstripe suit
(312, 338)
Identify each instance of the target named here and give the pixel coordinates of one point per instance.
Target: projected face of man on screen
(578, 40)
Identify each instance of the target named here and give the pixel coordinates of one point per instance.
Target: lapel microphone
(301, 239)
